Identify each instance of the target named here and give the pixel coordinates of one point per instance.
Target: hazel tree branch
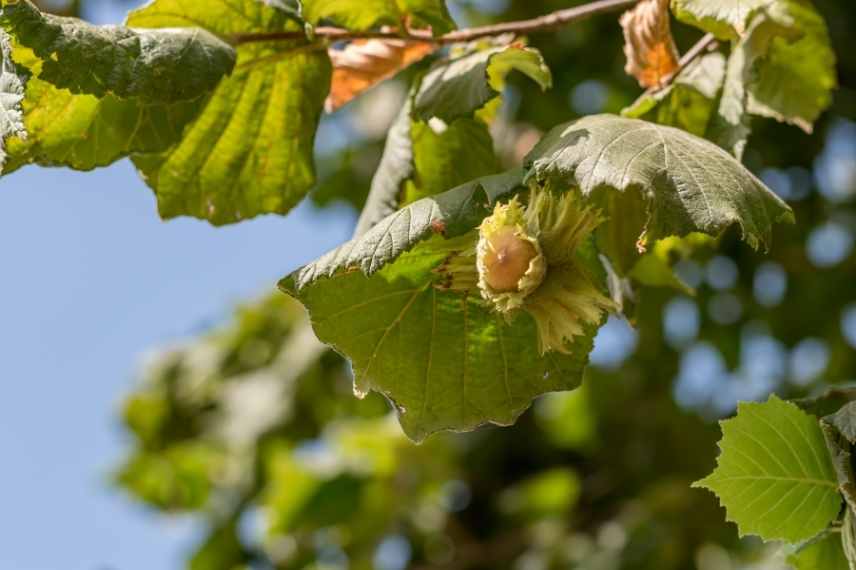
(543, 23)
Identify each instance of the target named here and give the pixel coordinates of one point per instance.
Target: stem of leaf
(543, 23)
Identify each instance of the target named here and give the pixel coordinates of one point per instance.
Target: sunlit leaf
(824, 553)
(457, 87)
(773, 475)
(249, 151)
(154, 66)
(689, 101)
(369, 14)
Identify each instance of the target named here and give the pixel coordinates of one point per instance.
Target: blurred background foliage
(253, 429)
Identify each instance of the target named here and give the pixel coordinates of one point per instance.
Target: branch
(540, 24)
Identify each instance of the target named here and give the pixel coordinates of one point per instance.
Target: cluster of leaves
(251, 424)
(234, 137)
(652, 182)
(217, 106)
(783, 475)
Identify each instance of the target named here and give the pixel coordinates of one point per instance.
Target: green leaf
(839, 430)
(370, 14)
(730, 126)
(825, 553)
(550, 493)
(220, 550)
(781, 66)
(773, 475)
(689, 101)
(449, 156)
(422, 159)
(250, 150)
(727, 19)
(793, 74)
(11, 97)
(456, 211)
(178, 478)
(689, 183)
(458, 87)
(655, 267)
(442, 357)
(160, 66)
(396, 166)
(84, 132)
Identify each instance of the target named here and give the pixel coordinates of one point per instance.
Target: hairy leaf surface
(689, 183)
(773, 475)
(154, 66)
(11, 97)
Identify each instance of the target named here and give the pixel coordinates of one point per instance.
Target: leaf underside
(249, 151)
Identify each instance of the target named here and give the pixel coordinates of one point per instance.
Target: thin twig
(706, 43)
(540, 24)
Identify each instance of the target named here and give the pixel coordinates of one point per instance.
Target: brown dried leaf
(364, 63)
(648, 44)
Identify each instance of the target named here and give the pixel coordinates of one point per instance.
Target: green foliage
(781, 63)
(688, 183)
(359, 15)
(217, 104)
(727, 19)
(655, 268)
(374, 306)
(387, 300)
(824, 553)
(440, 138)
(85, 132)
(460, 86)
(772, 466)
(689, 102)
(153, 66)
(11, 96)
(793, 73)
(249, 151)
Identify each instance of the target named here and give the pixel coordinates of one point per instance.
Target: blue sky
(92, 279)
